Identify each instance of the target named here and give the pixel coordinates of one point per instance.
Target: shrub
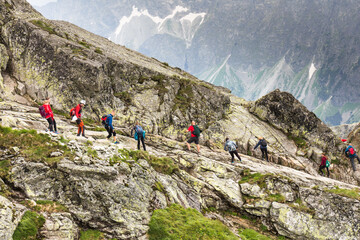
(29, 226)
(92, 153)
(44, 26)
(175, 222)
(98, 50)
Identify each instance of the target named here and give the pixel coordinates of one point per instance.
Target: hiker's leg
(139, 143)
(108, 131)
(55, 128)
(328, 171)
(321, 170)
(188, 143)
(353, 163)
(50, 124)
(357, 157)
(143, 142)
(266, 154)
(198, 147)
(262, 153)
(82, 128)
(114, 134)
(78, 122)
(232, 156)
(237, 155)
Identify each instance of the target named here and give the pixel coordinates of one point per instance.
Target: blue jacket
(230, 146)
(347, 149)
(259, 144)
(109, 121)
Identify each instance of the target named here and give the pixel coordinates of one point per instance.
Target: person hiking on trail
(351, 154)
(195, 134)
(49, 116)
(139, 134)
(79, 122)
(107, 121)
(231, 147)
(324, 164)
(263, 147)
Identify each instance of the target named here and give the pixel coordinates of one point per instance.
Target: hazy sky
(40, 2)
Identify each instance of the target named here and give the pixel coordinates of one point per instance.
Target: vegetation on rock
(350, 193)
(28, 227)
(250, 234)
(91, 235)
(176, 222)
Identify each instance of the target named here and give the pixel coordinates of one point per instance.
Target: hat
(83, 102)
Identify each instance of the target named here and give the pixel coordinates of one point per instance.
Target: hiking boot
(84, 136)
(116, 142)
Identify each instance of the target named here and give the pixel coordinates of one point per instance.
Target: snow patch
(213, 76)
(312, 70)
(180, 23)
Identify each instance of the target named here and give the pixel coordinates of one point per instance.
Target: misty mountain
(309, 48)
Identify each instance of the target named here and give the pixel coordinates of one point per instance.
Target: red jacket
(323, 161)
(78, 111)
(48, 111)
(191, 129)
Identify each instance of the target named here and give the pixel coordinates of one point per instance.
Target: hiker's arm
(257, 145)
(225, 147)
(110, 123)
(77, 110)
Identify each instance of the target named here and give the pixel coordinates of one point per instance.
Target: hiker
(351, 154)
(107, 122)
(263, 147)
(232, 148)
(139, 134)
(195, 134)
(324, 164)
(49, 115)
(79, 122)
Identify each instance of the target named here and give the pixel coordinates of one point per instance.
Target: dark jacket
(259, 144)
(109, 120)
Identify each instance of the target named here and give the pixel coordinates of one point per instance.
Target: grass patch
(98, 50)
(250, 234)
(89, 143)
(44, 26)
(184, 96)
(300, 142)
(45, 206)
(33, 146)
(92, 153)
(159, 187)
(161, 164)
(126, 97)
(350, 193)
(62, 113)
(84, 43)
(91, 235)
(263, 228)
(160, 86)
(5, 166)
(276, 198)
(29, 226)
(175, 222)
(299, 205)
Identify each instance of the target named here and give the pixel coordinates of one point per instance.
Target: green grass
(5, 166)
(350, 193)
(161, 164)
(33, 146)
(91, 235)
(62, 113)
(89, 143)
(250, 234)
(92, 153)
(302, 207)
(44, 26)
(159, 187)
(98, 50)
(126, 97)
(45, 206)
(28, 227)
(175, 223)
(276, 198)
(184, 96)
(257, 178)
(84, 43)
(300, 142)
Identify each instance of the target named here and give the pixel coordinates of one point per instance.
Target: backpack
(327, 163)
(104, 120)
(351, 151)
(231, 146)
(72, 112)
(136, 136)
(197, 131)
(138, 129)
(263, 143)
(42, 111)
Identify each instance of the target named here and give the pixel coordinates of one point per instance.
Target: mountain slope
(308, 48)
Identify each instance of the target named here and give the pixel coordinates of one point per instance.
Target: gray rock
(59, 226)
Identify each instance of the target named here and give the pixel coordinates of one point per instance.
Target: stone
(10, 216)
(59, 226)
(252, 190)
(56, 154)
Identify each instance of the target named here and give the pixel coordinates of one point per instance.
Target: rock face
(272, 44)
(42, 58)
(284, 112)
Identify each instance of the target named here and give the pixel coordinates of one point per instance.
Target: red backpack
(351, 151)
(72, 112)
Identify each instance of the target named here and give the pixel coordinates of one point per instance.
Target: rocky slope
(115, 193)
(250, 47)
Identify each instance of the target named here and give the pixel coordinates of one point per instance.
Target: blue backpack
(139, 130)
